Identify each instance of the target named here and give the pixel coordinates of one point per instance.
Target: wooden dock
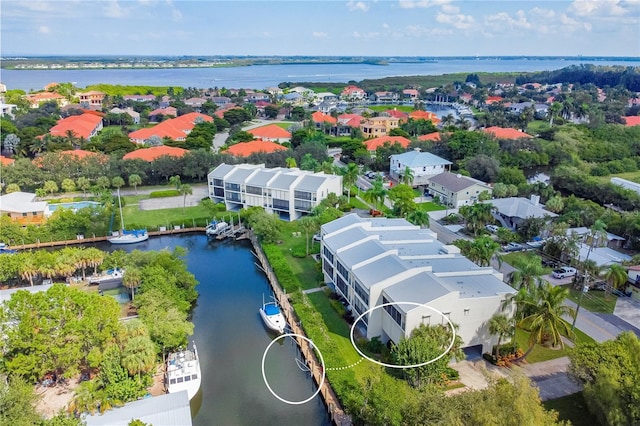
(337, 414)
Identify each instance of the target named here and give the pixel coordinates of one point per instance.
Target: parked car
(514, 247)
(535, 243)
(549, 263)
(492, 228)
(370, 174)
(375, 213)
(564, 272)
(317, 238)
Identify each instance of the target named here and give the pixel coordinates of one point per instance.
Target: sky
(320, 27)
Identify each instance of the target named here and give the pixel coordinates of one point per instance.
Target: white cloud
(503, 22)
(44, 29)
(357, 6)
(458, 21)
(602, 8)
(319, 34)
(112, 9)
(415, 4)
(385, 26)
(450, 9)
(365, 36)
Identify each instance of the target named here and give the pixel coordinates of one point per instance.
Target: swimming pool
(73, 206)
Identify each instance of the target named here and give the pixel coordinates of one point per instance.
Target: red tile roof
(321, 117)
(77, 153)
(493, 99)
(244, 149)
(434, 137)
(175, 128)
(351, 120)
(425, 115)
(6, 161)
(632, 120)
(375, 143)
(351, 89)
(396, 114)
(150, 154)
(270, 131)
(505, 133)
(164, 111)
(81, 125)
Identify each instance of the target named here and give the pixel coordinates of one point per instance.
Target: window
(194, 377)
(180, 379)
(328, 254)
(172, 381)
(254, 190)
(466, 312)
(342, 286)
(361, 292)
(343, 271)
(328, 269)
(445, 314)
(394, 313)
(187, 379)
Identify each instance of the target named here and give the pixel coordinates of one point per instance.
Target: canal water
(232, 339)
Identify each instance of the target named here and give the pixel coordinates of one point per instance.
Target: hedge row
(164, 193)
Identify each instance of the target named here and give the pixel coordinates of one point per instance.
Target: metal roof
(311, 183)
(350, 236)
(239, 175)
(455, 182)
(284, 181)
(484, 285)
(340, 223)
(171, 409)
(446, 264)
(221, 171)
(520, 207)
(21, 202)
(381, 269)
(420, 288)
(360, 253)
(419, 159)
(261, 177)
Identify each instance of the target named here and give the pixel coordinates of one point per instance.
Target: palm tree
(527, 273)
(419, 217)
(350, 176)
(83, 183)
(139, 355)
(616, 275)
(502, 326)
(27, 267)
(376, 193)
(185, 190)
(135, 180)
(407, 176)
(131, 279)
(545, 323)
(309, 224)
(448, 120)
(94, 257)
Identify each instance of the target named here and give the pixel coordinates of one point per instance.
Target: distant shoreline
(28, 63)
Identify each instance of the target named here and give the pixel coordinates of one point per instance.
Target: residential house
(275, 91)
(425, 115)
(83, 126)
(423, 165)
(401, 116)
(245, 149)
(410, 95)
(506, 133)
(155, 152)
(373, 144)
(272, 133)
(353, 94)
(195, 103)
(135, 116)
(139, 98)
(170, 111)
(455, 190)
(257, 97)
(414, 278)
(512, 211)
(22, 208)
(176, 129)
(7, 109)
(433, 137)
(493, 100)
(379, 126)
(294, 98)
(320, 119)
(290, 193)
(634, 281)
(612, 241)
(517, 108)
(327, 97)
(92, 99)
(307, 94)
(221, 101)
(385, 97)
(37, 99)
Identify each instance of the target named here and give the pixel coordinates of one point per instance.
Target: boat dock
(337, 414)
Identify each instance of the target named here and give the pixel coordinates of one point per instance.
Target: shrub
(375, 345)
(300, 252)
(164, 193)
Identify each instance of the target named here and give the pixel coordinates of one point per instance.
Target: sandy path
(56, 398)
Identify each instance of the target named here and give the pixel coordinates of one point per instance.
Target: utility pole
(585, 288)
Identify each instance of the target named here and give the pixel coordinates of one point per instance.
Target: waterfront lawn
(401, 108)
(152, 219)
(571, 408)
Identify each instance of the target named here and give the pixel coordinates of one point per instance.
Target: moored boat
(272, 317)
(216, 228)
(127, 236)
(183, 372)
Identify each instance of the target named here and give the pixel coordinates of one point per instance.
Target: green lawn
(152, 219)
(571, 408)
(594, 300)
(541, 353)
(632, 176)
(430, 206)
(402, 108)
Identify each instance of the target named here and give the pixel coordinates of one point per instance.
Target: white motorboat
(272, 317)
(183, 372)
(216, 228)
(127, 236)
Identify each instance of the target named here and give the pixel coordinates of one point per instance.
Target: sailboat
(127, 236)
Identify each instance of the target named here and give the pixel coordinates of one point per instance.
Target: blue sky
(326, 27)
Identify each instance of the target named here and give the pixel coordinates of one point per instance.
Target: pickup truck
(564, 272)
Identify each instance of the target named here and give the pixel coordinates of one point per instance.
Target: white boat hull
(128, 238)
(217, 228)
(273, 321)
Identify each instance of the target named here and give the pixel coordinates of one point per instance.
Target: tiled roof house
(150, 154)
(176, 129)
(83, 126)
(244, 149)
(373, 144)
(271, 132)
(506, 133)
